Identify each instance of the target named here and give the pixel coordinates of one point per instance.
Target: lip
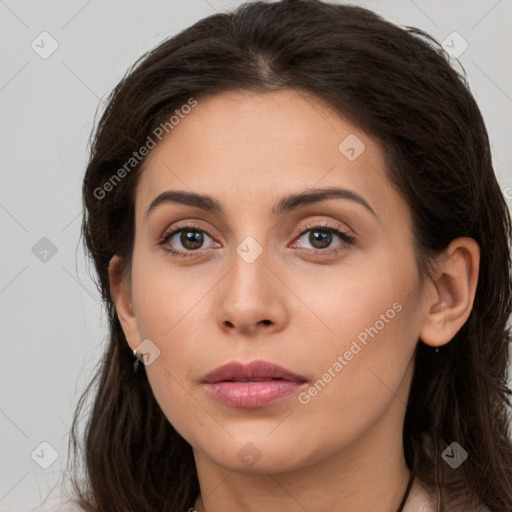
(252, 385)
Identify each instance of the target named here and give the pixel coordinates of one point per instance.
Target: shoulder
(423, 499)
(420, 499)
(63, 506)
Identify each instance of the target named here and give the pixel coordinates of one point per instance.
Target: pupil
(324, 239)
(191, 239)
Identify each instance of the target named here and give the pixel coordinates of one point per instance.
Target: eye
(187, 239)
(321, 236)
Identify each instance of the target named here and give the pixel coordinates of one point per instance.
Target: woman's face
(263, 275)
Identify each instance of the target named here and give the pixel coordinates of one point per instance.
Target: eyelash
(348, 240)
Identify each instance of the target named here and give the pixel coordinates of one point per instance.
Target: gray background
(52, 324)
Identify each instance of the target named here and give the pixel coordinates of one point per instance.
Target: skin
(290, 306)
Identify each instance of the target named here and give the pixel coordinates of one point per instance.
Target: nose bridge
(249, 298)
(249, 275)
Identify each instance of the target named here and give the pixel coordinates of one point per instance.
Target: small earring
(441, 305)
(135, 361)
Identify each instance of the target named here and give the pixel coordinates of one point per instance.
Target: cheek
(365, 353)
(169, 313)
(346, 302)
(358, 378)
(167, 297)
(174, 311)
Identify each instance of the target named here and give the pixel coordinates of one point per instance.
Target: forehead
(242, 146)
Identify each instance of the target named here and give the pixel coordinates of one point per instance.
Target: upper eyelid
(306, 227)
(327, 225)
(192, 225)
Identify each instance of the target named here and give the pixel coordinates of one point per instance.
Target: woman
(304, 252)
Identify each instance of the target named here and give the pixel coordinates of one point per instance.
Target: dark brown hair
(397, 85)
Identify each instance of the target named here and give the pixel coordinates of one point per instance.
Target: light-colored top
(420, 499)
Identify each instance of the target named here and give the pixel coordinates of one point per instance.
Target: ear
(451, 300)
(120, 291)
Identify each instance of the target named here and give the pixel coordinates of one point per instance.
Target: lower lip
(251, 395)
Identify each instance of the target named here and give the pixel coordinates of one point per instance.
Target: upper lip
(255, 370)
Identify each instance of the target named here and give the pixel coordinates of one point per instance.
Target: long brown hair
(394, 83)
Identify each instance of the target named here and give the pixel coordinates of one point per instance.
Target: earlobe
(120, 292)
(453, 294)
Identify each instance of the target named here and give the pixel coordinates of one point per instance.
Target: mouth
(253, 385)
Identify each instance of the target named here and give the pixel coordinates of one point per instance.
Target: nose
(251, 299)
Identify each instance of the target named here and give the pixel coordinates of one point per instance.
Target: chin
(260, 453)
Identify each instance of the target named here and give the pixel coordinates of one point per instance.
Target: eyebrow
(285, 204)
